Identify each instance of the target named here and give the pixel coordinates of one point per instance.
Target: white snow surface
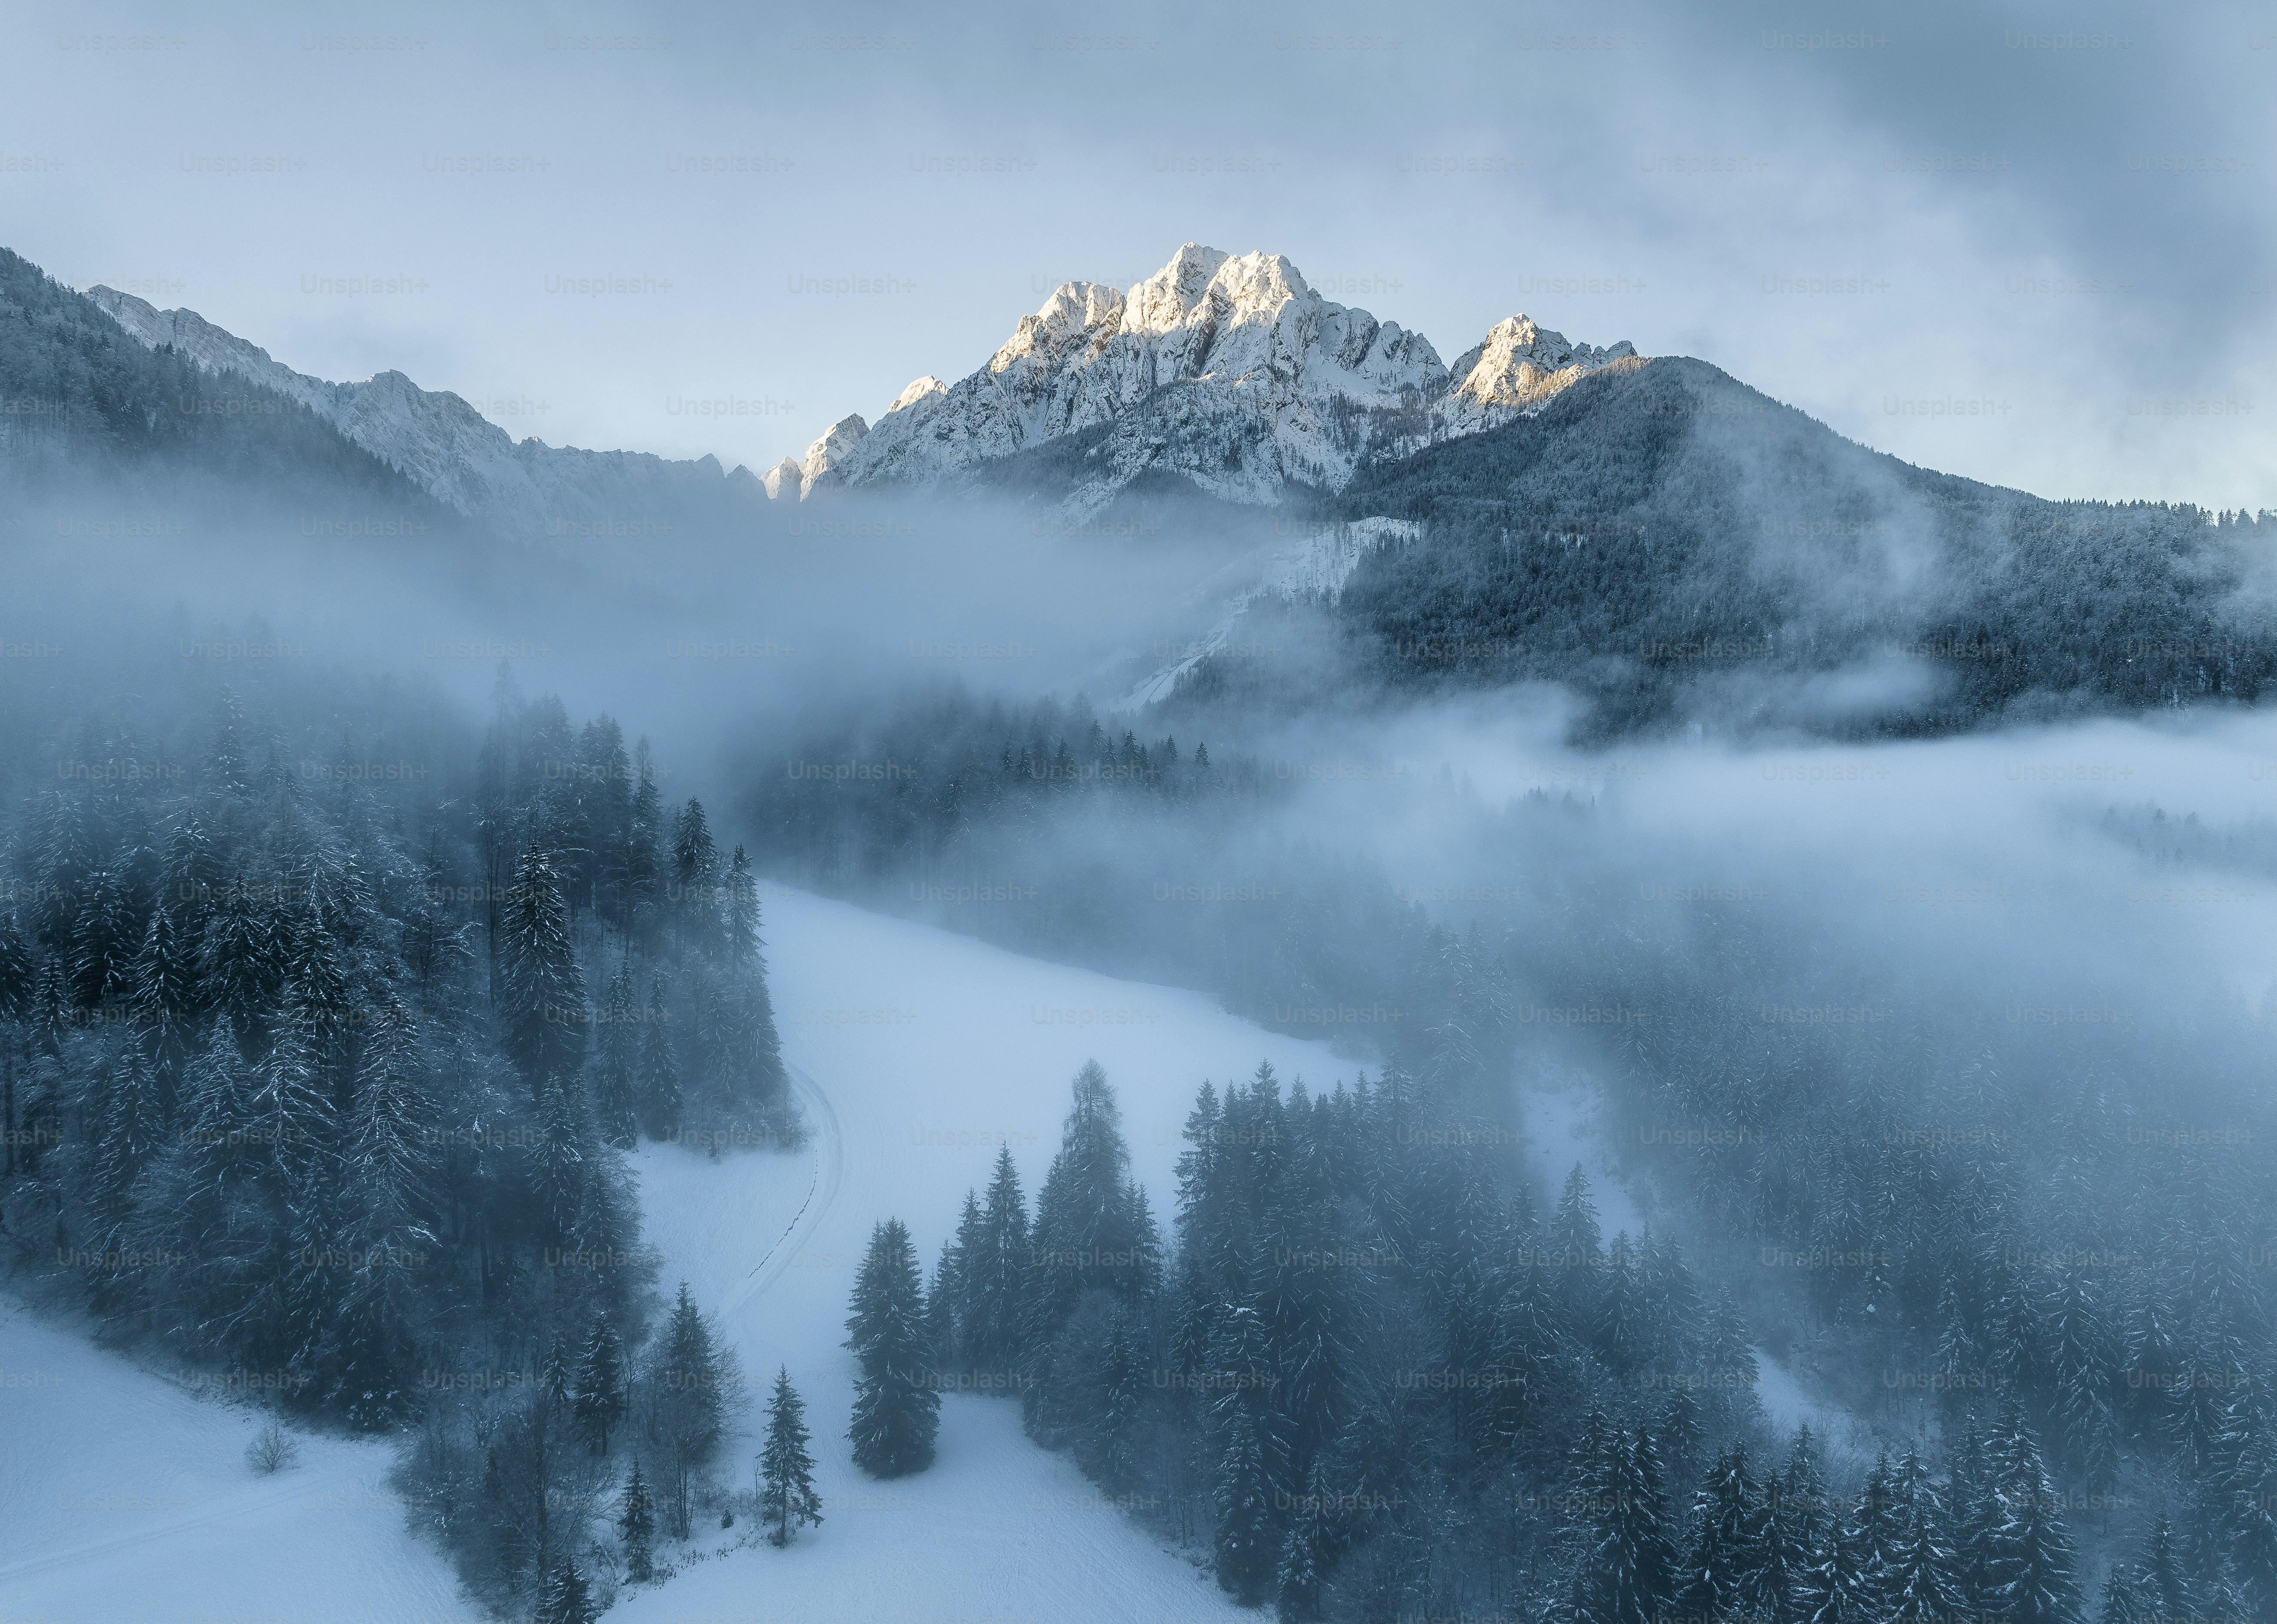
(127, 1499)
(915, 1053)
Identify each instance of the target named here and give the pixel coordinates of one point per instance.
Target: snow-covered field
(917, 1053)
(126, 1497)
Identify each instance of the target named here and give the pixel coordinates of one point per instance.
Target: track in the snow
(821, 1191)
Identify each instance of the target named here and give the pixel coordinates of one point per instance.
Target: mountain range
(1227, 370)
(1668, 544)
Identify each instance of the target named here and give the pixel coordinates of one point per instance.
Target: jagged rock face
(1228, 370)
(786, 477)
(459, 456)
(1520, 363)
(832, 448)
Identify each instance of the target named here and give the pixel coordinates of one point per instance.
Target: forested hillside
(1678, 547)
(324, 1022)
(78, 396)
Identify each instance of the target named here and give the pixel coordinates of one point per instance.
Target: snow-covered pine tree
(1082, 1237)
(166, 992)
(688, 1382)
(601, 1400)
(104, 936)
(132, 1135)
(2122, 1604)
(998, 1268)
(2035, 1564)
(1836, 1589)
(786, 1495)
(1308, 1552)
(1874, 1523)
(1787, 1530)
(1579, 1246)
(636, 1528)
(1245, 1550)
(1918, 1590)
(897, 1405)
(542, 992)
(644, 881)
(1617, 1324)
(1724, 1564)
(2162, 1582)
(568, 1599)
(2249, 1491)
(1631, 1569)
(952, 1314)
(695, 881)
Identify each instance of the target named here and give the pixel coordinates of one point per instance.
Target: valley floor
(916, 1055)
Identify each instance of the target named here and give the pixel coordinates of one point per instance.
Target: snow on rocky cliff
(1228, 370)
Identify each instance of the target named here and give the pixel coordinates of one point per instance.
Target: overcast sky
(2055, 222)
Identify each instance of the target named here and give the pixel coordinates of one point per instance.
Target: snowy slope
(917, 1053)
(125, 1496)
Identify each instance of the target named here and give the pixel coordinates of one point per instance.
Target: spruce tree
(1918, 1592)
(786, 1495)
(601, 1400)
(994, 1342)
(896, 1405)
(2121, 1603)
(2035, 1565)
(636, 1528)
(542, 993)
(689, 1381)
(1245, 1554)
(567, 1598)
(1309, 1553)
(1837, 1589)
(1726, 1557)
(694, 878)
(1631, 1571)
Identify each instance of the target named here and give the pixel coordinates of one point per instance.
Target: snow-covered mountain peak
(1227, 369)
(921, 390)
(1520, 363)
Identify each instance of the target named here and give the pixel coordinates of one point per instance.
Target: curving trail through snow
(915, 1053)
(829, 1158)
(918, 1054)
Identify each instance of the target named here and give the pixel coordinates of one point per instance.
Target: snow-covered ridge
(442, 444)
(1227, 369)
